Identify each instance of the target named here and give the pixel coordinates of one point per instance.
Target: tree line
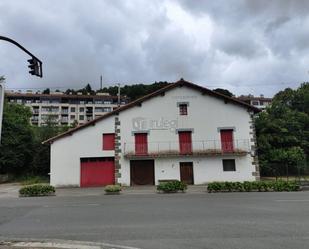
(131, 91)
(283, 133)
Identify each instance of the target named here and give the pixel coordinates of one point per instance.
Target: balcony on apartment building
(35, 119)
(238, 147)
(36, 111)
(64, 111)
(64, 120)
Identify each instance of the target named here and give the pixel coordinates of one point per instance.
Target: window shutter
(141, 143)
(109, 141)
(227, 144)
(185, 142)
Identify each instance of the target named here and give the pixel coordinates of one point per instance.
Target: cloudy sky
(244, 46)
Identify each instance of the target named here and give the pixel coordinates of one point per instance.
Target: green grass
(29, 180)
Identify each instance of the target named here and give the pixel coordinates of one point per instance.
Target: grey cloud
(251, 43)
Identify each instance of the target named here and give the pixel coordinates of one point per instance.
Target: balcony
(64, 120)
(239, 147)
(34, 120)
(64, 111)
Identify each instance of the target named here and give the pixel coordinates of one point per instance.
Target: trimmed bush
(112, 189)
(37, 190)
(252, 186)
(172, 186)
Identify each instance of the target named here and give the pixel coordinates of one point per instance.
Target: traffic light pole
(35, 66)
(1, 105)
(38, 72)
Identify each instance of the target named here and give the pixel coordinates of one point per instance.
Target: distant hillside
(131, 91)
(135, 91)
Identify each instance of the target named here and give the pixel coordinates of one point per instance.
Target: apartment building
(260, 102)
(65, 109)
(182, 131)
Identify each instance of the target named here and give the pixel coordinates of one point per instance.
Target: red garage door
(97, 172)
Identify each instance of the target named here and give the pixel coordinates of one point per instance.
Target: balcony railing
(196, 148)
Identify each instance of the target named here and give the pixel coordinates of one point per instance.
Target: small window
(81, 117)
(72, 109)
(229, 165)
(72, 117)
(109, 141)
(183, 109)
(81, 109)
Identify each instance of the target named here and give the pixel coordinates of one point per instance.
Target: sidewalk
(135, 190)
(10, 190)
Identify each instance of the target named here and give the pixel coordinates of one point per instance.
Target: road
(182, 221)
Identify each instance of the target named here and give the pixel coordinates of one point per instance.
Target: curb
(17, 243)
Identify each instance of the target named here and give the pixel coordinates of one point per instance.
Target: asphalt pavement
(182, 221)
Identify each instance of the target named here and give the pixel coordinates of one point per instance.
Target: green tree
(46, 91)
(135, 91)
(17, 139)
(224, 92)
(87, 89)
(40, 164)
(283, 132)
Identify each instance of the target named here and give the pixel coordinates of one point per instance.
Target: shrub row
(277, 186)
(172, 186)
(112, 189)
(37, 190)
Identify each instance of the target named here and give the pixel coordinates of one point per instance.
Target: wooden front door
(142, 172)
(186, 172)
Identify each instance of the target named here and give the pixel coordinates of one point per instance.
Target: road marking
(54, 245)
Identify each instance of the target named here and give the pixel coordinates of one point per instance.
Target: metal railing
(174, 148)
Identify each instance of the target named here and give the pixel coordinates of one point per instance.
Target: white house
(182, 131)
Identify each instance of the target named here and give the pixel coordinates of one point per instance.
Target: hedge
(172, 186)
(247, 186)
(112, 189)
(37, 190)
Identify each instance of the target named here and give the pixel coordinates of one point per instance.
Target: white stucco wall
(66, 152)
(205, 115)
(204, 169)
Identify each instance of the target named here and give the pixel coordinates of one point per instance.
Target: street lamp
(35, 69)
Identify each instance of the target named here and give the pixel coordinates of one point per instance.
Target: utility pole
(118, 94)
(101, 82)
(35, 69)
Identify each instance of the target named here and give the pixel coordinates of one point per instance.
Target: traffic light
(34, 66)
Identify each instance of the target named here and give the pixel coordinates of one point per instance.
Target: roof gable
(159, 92)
